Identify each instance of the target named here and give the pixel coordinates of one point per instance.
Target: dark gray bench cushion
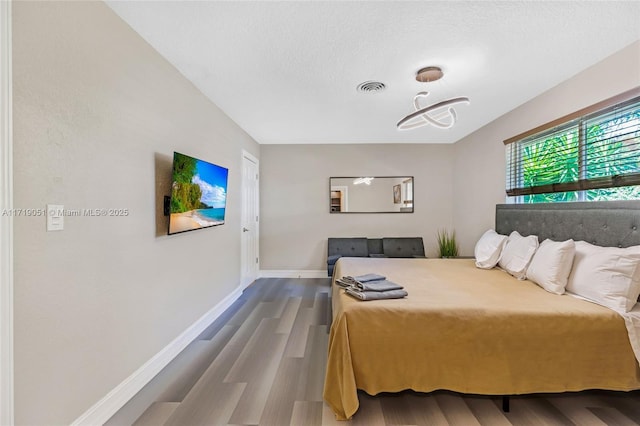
(403, 247)
(372, 247)
(351, 247)
(375, 247)
(347, 247)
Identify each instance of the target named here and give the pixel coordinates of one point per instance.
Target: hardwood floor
(263, 362)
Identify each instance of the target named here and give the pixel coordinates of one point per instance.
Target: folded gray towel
(369, 277)
(380, 285)
(376, 295)
(344, 284)
(360, 279)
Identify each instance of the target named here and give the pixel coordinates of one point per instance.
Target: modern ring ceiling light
(440, 115)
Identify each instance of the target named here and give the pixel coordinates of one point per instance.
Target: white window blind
(594, 149)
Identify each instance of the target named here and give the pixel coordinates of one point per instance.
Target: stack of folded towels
(371, 287)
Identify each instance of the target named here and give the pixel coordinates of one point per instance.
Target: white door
(249, 219)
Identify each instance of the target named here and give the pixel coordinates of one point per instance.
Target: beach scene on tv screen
(198, 194)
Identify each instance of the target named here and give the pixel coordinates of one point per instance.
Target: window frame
(514, 185)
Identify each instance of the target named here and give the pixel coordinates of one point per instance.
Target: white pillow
(551, 265)
(517, 254)
(488, 249)
(608, 276)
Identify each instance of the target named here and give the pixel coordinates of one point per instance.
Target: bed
(477, 331)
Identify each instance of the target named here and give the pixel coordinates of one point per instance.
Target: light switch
(55, 217)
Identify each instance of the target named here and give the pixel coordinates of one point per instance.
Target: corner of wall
(6, 221)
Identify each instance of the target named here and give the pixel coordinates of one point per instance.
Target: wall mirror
(371, 194)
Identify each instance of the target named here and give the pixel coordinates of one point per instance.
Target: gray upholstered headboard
(606, 223)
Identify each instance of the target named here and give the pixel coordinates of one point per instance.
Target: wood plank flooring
(263, 362)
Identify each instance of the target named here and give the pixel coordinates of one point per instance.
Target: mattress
(471, 331)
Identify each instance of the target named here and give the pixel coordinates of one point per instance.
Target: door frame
(6, 220)
(247, 156)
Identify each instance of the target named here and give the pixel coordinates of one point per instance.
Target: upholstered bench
(372, 247)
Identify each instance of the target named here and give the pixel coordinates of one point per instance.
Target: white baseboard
(285, 273)
(104, 409)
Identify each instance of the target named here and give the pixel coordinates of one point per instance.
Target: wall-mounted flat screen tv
(198, 194)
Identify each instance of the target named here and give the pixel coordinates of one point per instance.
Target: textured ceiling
(287, 72)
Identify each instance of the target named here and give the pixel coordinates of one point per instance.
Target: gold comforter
(471, 331)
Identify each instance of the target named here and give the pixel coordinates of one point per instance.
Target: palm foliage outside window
(591, 155)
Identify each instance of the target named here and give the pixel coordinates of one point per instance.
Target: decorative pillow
(551, 265)
(517, 254)
(608, 276)
(488, 249)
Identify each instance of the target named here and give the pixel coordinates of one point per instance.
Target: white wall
(479, 182)
(97, 116)
(294, 198)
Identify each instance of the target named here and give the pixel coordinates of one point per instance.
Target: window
(591, 155)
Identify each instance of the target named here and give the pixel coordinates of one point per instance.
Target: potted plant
(447, 243)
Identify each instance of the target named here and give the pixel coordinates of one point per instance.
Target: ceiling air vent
(371, 87)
